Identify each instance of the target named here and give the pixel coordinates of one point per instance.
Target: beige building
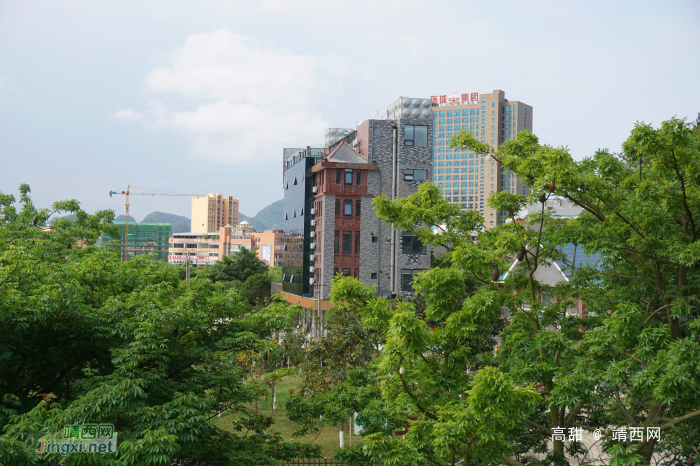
(212, 212)
(207, 248)
(464, 177)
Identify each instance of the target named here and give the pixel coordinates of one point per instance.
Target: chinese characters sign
(635, 434)
(82, 438)
(455, 99)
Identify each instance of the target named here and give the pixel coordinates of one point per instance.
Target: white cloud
(127, 114)
(250, 99)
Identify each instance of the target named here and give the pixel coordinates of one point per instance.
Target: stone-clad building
(330, 223)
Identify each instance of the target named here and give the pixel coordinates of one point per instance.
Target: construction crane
(126, 227)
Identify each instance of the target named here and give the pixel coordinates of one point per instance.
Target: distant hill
(272, 216)
(180, 224)
(70, 217)
(257, 224)
(120, 218)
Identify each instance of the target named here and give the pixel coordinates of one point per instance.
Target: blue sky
(201, 96)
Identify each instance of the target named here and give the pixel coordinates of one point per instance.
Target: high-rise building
(464, 177)
(330, 224)
(144, 238)
(212, 212)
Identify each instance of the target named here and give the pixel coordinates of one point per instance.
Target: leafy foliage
(88, 338)
(238, 266)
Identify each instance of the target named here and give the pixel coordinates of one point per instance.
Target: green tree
(88, 338)
(256, 289)
(275, 274)
(629, 361)
(238, 266)
(337, 379)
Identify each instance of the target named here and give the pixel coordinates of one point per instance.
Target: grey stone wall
(381, 152)
(326, 244)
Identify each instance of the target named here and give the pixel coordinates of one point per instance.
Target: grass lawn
(327, 439)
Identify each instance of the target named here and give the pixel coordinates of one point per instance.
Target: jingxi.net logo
(80, 438)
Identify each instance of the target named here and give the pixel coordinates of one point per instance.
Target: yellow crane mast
(125, 257)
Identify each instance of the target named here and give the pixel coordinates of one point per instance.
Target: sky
(202, 96)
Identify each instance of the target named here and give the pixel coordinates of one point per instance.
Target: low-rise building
(207, 248)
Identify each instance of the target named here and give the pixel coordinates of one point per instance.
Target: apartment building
(465, 178)
(330, 224)
(212, 212)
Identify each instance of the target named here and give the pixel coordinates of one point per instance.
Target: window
(415, 175)
(335, 272)
(347, 207)
(357, 208)
(337, 206)
(357, 273)
(374, 275)
(416, 136)
(347, 242)
(375, 239)
(412, 245)
(336, 243)
(407, 278)
(357, 242)
(348, 176)
(346, 272)
(359, 177)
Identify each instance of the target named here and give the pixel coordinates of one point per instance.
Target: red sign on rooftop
(455, 99)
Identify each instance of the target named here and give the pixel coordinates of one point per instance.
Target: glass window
(338, 172)
(359, 177)
(335, 272)
(449, 113)
(442, 114)
(357, 242)
(407, 278)
(412, 245)
(357, 208)
(337, 206)
(416, 135)
(336, 244)
(346, 272)
(348, 176)
(375, 239)
(347, 207)
(347, 242)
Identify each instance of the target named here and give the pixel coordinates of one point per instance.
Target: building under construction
(144, 238)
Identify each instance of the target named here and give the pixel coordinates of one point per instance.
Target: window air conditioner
(312, 245)
(312, 257)
(312, 269)
(311, 281)
(313, 223)
(312, 234)
(313, 211)
(314, 189)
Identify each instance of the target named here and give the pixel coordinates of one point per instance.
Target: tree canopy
(87, 338)
(238, 266)
(489, 375)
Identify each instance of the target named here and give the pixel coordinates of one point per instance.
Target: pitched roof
(552, 272)
(345, 153)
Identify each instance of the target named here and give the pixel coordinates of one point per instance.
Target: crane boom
(126, 222)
